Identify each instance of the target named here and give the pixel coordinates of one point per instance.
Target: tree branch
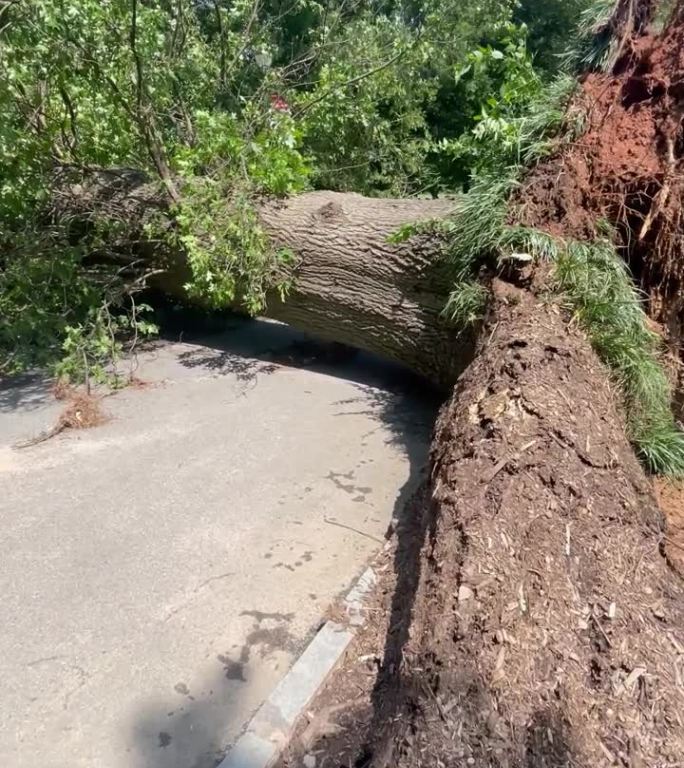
(369, 73)
(145, 115)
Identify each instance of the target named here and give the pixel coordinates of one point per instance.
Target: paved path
(160, 573)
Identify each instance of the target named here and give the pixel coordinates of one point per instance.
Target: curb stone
(269, 731)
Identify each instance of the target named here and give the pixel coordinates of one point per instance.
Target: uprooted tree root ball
(627, 168)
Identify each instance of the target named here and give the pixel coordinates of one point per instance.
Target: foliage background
(221, 102)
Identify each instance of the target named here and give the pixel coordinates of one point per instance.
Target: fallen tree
(546, 626)
(350, 283)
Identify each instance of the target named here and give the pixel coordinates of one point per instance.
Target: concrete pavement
(160, 573)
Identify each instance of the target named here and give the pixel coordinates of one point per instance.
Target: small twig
(494, 330)
(43, 437)
(661, 198)
(504, 462)
(427, 688)
(351, 528)
(602, 630)
(86, 372)
(607, 752)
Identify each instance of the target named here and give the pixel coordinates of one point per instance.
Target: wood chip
(677, 645)
(465, 593)
(521, 599)
(498, 673)
(607, 752)
(634, 675)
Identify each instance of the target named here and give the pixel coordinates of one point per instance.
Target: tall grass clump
(595, 41)
(598, 288)
(595, 284)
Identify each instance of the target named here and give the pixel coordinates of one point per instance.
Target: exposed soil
(338, 723)
(671, 499)
(627, 168)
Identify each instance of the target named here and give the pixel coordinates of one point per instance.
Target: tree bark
(352, 286)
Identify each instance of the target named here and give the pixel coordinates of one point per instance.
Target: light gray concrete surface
(269, 730)
(161, 573)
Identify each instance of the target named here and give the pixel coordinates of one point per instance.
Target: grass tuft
(595, 43)
(476, 228)
(547, 120)
(540, 245)
(598, 287)
(466, 304)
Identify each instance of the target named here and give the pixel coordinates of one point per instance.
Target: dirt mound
(546, 629)
(627, 168)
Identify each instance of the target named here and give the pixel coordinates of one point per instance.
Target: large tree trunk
(351, 285)
(545, 629)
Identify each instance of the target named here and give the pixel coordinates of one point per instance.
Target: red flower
(278, 103)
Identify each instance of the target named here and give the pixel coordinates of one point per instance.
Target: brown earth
(532, 620)
(627, 168)
(670, 496)
(339, 722)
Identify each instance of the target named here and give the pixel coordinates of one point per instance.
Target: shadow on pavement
(188, 727)
(187, 730)
(183, 731)
(402, 403)
(27, 391)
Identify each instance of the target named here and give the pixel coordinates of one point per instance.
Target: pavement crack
(195, 590)
(45, 660)
(211, 579)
